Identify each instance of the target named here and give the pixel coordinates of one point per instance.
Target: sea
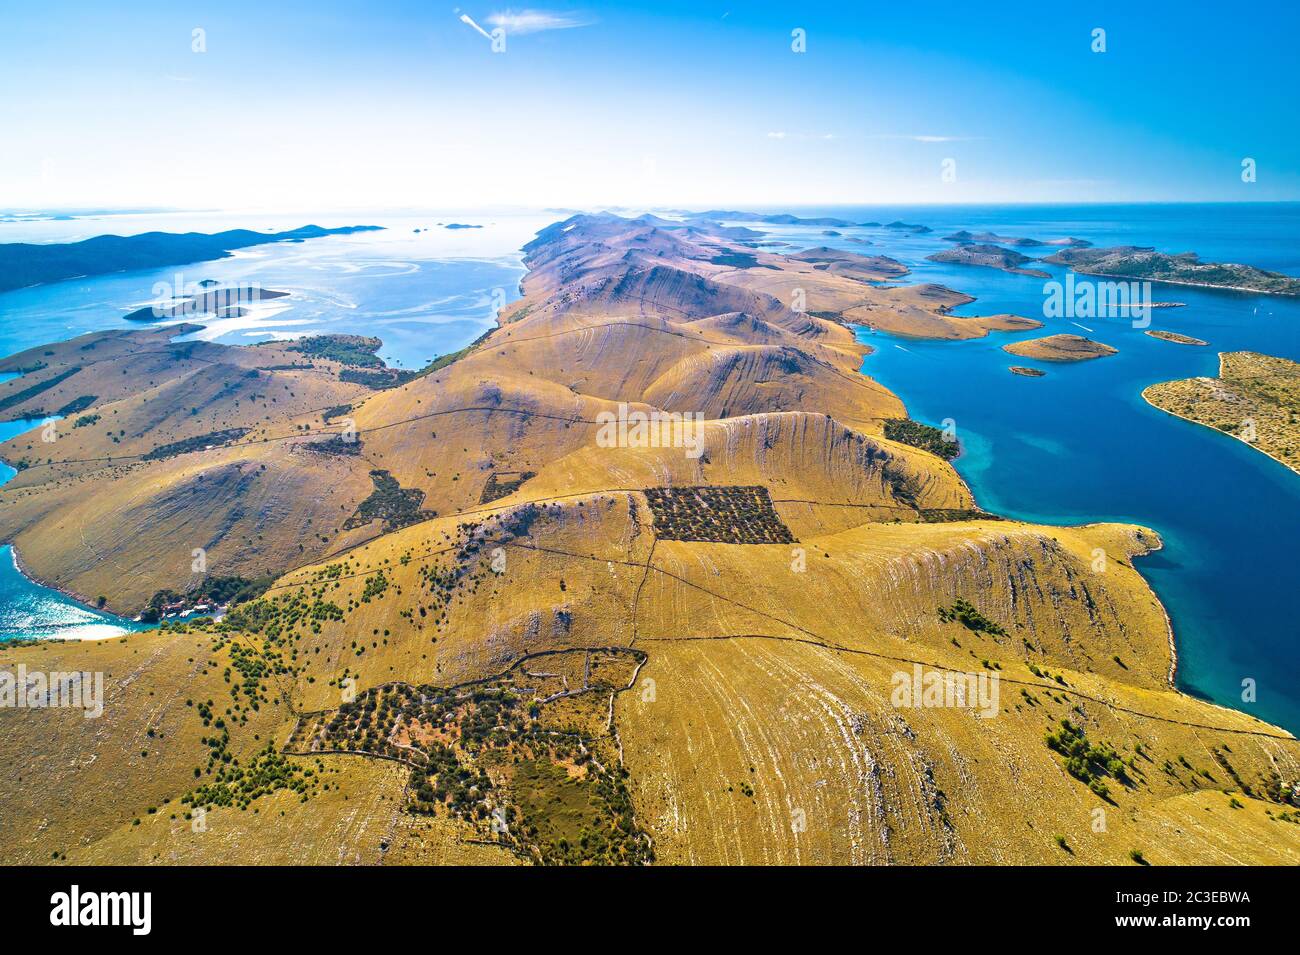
(1077, 446)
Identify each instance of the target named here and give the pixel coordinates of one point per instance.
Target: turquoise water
(1078, 445)
(11, 429)
(424, 293)
(1081, 445)
(29, 611)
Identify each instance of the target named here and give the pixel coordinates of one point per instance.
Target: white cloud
(519, 22)
(782, 134)
(926, 138)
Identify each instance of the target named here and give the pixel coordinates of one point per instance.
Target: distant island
(965, 236)
(1185, 268)
(23, 264)
(353, 517)
(907, 227)
(1175, 337)
(221, 302)
(1256, 399)
(461, 225)
(990, 256)
(1027, 372)
(1060, 348)
(731, 215)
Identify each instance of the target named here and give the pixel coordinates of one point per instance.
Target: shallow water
(11, 429)
(424, 293)
(1081, 444)
(29, 611)
(1078, 445)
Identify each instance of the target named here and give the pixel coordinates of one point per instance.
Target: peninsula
(1256, 398)
(627, 581)
(23, 264)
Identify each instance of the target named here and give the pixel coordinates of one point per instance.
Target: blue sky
(334, 104)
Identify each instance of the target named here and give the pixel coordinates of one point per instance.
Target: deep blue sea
(1081, 445)
(1076, 446)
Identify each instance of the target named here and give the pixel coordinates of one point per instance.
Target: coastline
(1172, 674)
(76, 598)
(1226, 434)
(1171, 636)
(1172, 601)
(1147, 278)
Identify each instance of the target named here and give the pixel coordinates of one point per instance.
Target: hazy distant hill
(730, 215)
(23, 264)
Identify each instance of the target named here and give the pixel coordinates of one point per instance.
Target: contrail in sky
(466, 18)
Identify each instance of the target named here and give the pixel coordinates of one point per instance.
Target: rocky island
(991, 256)
(1060, 348)
(637, 573)
(966, 236)
(1186, 268)
(225, 302)
(1174, 337)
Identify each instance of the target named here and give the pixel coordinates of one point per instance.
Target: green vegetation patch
(213, 439)
(230, 591)
(721, 514)
(224, 779)
(22, 396)
(77, 405)
(526, 757)
(237, 786)
(442, 361)
(278, 619)
(504, 483)
(337, 445)
(943, 515)
(923, 436)
(346, 349)
(391, 503)
(377, 379)
(1085, 761)
(964, 613)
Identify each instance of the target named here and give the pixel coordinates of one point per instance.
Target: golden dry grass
(1256, 398)
(1060, 348)
(761, 728)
